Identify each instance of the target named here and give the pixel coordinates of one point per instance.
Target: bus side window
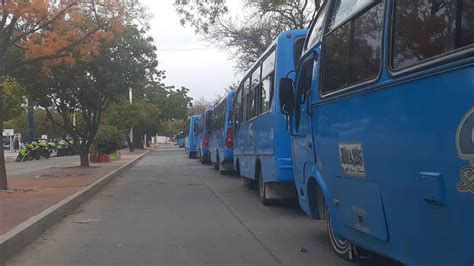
(238, 108)
(268, 81)
(304, 88)
(352, 52)
(267, 90)
(245, 100)
(427, 29)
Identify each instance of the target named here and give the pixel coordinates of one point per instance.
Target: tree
(249, 36)
(51, 32)
(43, 126)
(89, 86)
(140, 115)
(155, 105)
(171, 128)
(199, 106)
(12, 93)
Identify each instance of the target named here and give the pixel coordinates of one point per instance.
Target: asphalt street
(169, 210)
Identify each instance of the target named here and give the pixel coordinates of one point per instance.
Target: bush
(108, 140)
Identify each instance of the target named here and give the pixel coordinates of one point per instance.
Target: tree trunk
(84, 154)
(130, 144)
(3, 170)
(137, 141)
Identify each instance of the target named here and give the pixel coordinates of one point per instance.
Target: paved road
(170, 210)
(20, 168)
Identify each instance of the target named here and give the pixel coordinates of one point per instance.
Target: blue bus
(382, 120)
(180, 139)
(191, 139)
(222, 135)
(203, 136)
(262, 148)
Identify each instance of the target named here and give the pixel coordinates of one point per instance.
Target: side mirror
(287, 96)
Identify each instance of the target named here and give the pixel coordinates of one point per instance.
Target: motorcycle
(28, 152)
(43, 149)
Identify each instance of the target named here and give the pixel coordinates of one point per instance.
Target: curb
(26, 232)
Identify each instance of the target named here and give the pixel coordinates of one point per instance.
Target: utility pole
(30, 129)
(130, 96)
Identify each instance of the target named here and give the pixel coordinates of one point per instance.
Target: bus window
(298, 50)
(245, 99)
(268, 64)
(238, 109)
(256, 80)
(268, 76)
(343, 10)
(352, 52)
(304, 88)
(267, 91)
(317, 30)
(429, 28)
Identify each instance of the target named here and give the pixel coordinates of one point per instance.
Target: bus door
(303, 149)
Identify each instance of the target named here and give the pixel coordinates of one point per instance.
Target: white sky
(187, 60)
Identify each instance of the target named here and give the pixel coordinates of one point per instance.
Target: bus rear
(222, 135)
(204, 136)
(191, 140)
(384, 129)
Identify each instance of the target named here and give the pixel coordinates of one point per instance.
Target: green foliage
(91, 85)
(171, 128)
(108, 140)
(43, 125)
(13, 97)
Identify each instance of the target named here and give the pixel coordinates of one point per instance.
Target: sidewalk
(36, 191)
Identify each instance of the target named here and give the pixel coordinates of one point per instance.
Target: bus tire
(343, 248)
(237, 168)
(216, 165)
(261, 188)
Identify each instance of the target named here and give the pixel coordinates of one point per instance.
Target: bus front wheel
(343, 248)
(261, 188)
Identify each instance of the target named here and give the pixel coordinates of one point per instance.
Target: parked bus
(222, 135)
(382, 122)
(190, 142)
(262, 152)
(203, 136)
(180, 139)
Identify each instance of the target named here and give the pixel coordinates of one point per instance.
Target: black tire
(222, 171)
(237, 168)
(47, 155)
(18, 158)
(343, 248)
(261, 188)
(216, 165)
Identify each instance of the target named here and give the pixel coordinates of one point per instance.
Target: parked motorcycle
(28, 152)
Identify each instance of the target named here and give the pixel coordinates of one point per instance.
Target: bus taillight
(206, 141)
(229, 138)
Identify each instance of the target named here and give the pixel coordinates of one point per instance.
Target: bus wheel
(261, 188)
(343, 248)
(237, 168)
(216, 165)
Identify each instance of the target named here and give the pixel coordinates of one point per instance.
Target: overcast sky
(188, 61)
